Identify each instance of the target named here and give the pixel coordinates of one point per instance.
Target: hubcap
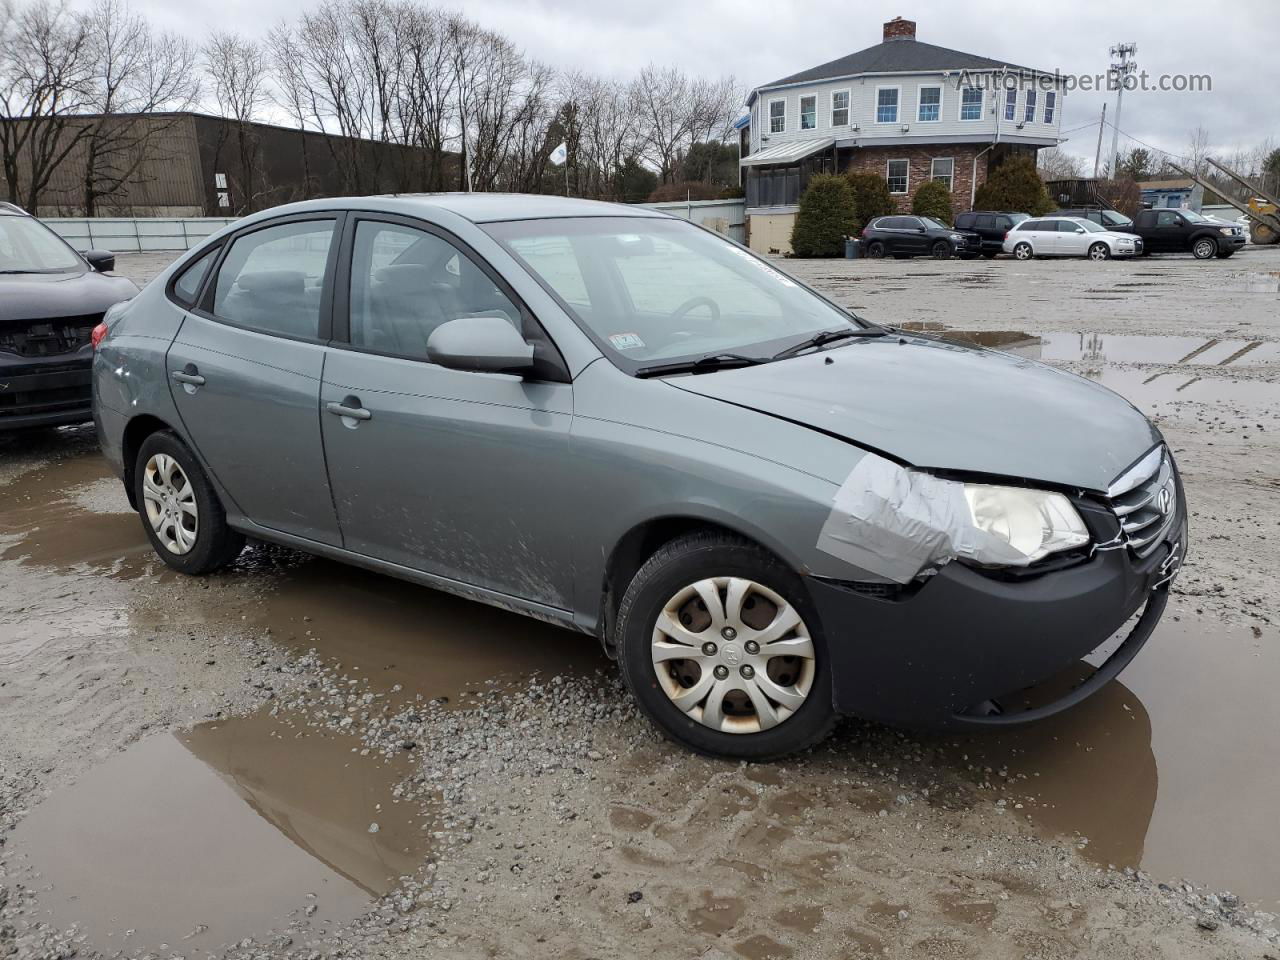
(170, 503)
(760, 673)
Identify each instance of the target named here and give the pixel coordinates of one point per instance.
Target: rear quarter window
(186, 287)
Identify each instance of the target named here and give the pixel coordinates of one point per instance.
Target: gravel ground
(560, 825)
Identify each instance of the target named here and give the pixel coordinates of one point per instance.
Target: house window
(839, 108)
(1030, 115)
(943, 168)
(971, 103)
(808, 113)
(1011, 103)
(930, 108)
(777, 116)
(896, 173)
(887, 104)
(1050, 106)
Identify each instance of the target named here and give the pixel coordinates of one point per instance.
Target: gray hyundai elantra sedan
(769, 511)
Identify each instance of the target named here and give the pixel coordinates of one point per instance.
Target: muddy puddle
(1173, 769)
(243, 827)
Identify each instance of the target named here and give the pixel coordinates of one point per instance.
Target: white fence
(135, 235)
(145, 234)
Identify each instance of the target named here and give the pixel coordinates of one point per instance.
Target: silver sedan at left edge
(770, 511)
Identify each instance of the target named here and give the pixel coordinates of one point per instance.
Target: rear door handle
(350, 407)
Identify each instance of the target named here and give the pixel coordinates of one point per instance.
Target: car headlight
(956, 236)
(1018, 526)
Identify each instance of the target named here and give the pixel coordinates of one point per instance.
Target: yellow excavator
(1261, 207)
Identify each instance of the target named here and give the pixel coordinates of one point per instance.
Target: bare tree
(46, 78)
(667, 106)
(237, 68)
(1054, 163)
(1197, 150)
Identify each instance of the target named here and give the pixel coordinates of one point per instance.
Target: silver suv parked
(770, 511)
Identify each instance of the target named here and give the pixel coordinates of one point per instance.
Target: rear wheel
(721, 648)
(941, 250)
(1023, 251)
(181, 514)
(1099, 251)
(991, 254)
(1204, 248)
(875, 250)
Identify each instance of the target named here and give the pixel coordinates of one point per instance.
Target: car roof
(476, 207)
(12, 210)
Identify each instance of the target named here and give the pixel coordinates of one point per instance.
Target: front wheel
(1224, 254)
(1099, 251)
(1023, 251)
(941, 250)
(722, 649)
(1204, 248)
(181, 513)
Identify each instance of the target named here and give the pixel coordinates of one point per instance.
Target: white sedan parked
(1068, 237)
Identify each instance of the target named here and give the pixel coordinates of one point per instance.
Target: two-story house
(909, 111)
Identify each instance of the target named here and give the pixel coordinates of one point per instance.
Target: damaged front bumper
(954, 651)
(44, 391)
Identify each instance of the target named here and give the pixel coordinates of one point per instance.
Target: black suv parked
(991, 226)
(1180, 231)
(903, 237)
(51, 298)
(1103, 216)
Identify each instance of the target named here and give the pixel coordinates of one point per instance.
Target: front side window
(943, 169)
(930, 104)
(1050, 106)
(777, 116)
(1011, 104)
(407, 282)
(887, 105)
(840, 108)
(971, 103)
(808, 113)
(1029, 111)
(897, 172)
(658, 290)
(1167, 219)
(272, 279)
(28, 246)
(187, 286)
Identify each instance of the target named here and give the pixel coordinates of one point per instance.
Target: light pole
(1120, 69)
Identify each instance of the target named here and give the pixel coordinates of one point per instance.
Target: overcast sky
(762, 40)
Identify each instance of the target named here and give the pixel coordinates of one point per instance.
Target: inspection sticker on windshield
(626, 341)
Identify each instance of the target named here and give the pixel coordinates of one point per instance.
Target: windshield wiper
(823, 337)
(712, 361)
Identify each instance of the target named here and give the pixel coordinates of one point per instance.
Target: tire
(941, 250)
(1225, 254)
(875, 250)
(1099, 251)
(1204, 249)
(180, 511)
(991, 254)
(1023, 251)
(676, 579)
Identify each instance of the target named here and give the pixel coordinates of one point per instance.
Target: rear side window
(187, 287)
(968, 220)
(272, 279)
(984, 221)
(1031, 225)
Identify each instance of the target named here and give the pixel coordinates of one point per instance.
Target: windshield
(1019, 217)
(1115, 219)
(656, 288)
(28, 246)
(1193, 216)
(931, 222)
(1090, 226)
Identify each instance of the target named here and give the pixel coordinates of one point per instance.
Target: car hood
(947, 406)
(45, 296)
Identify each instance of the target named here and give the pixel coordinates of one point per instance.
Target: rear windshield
(28, 246)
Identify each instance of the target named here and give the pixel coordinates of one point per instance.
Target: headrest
(273, 281)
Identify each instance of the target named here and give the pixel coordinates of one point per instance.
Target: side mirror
(1079, 229)
(100, 260)
(481, 345)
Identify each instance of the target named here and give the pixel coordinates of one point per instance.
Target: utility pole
(1120, 69)
(1097, 157)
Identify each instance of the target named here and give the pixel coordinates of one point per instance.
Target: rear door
(245, 371)
(458, 474)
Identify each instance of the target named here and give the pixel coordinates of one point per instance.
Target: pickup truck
(1181, 231)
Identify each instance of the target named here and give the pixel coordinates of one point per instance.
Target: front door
(1072, 239)
(244, 372)
(1167, 234)
(458, 474)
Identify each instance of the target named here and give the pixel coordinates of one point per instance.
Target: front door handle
(189, 377)
(349, 408)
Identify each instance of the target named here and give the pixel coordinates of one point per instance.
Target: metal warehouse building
(194, 165)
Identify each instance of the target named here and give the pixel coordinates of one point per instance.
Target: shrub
(826, 217)
(871, 198)
(933, 199)
(1015, 185)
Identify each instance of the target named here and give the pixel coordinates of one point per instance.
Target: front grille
(47, 338)
(1145, 501)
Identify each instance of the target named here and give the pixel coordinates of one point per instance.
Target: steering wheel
(680, 312)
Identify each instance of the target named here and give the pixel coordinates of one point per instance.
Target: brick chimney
(899, 29)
